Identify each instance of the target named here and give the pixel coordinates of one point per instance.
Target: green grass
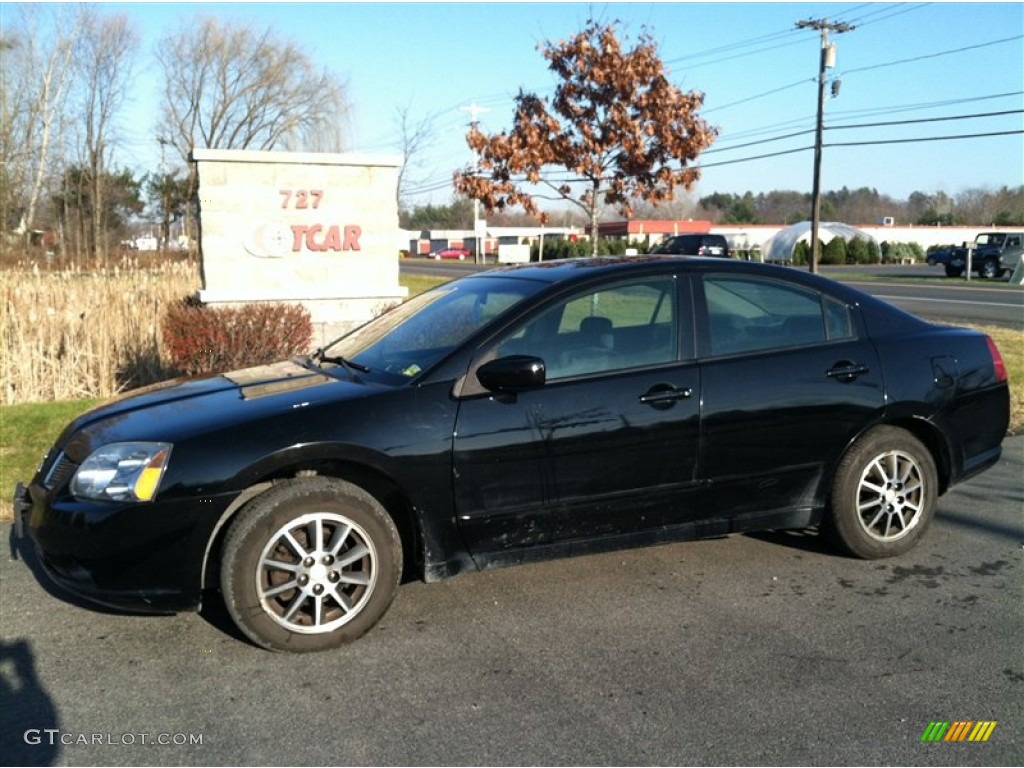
(927, 277)
(420, 283)
(27, 432)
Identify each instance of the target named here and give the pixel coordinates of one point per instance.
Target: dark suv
(694, 245)
(995, 254)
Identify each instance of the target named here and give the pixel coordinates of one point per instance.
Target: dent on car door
(608, 445)
(789, 378)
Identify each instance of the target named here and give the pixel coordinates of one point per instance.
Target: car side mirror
(515, 373)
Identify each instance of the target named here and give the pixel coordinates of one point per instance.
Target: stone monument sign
(301, 227)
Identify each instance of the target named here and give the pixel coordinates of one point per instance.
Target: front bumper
(137, 557)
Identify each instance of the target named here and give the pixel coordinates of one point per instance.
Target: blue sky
(903, 62)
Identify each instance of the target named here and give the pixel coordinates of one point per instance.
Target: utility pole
(475, 110)
(827, 60)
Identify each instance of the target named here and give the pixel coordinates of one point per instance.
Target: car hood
(177, 403)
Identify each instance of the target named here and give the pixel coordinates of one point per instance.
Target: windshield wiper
(349, 365)
(342, 361)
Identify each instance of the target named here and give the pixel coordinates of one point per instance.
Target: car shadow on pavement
(803, 539)
(215, 613)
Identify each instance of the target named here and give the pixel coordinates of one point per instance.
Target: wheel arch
(371, 479)
(932, 439)
(922, 429)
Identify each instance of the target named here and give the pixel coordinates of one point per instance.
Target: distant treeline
(982, 207)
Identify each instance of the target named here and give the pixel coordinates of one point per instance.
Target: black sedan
(514, 415)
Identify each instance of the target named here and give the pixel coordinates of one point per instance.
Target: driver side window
(617, 327)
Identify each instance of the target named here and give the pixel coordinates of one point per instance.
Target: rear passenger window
(838, 324)
(752, 314)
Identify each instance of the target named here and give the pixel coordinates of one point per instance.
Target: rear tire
(883, 494)
(954, 271)
(309, 565)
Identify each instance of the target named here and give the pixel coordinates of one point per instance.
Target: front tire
(883, 494)
(989, 269)
(310, 564)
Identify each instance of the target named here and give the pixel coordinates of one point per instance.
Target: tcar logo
(274, 239)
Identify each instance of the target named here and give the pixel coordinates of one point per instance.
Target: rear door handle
(663, 395)
(846, 371)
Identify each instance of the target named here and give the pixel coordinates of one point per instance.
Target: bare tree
(413, 137)
(682, 207)
(104, 59)
(35, 71)
(616, 125)
(230, 87)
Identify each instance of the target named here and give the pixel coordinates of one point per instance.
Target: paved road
(927, 292)
(752, 649)
(922, 290)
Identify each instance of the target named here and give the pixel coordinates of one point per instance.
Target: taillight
(997, 360)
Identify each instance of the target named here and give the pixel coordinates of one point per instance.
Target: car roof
(575, 270)
(561, 270)
(572, 271)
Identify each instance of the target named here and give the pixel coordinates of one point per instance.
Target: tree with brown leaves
(620, 129)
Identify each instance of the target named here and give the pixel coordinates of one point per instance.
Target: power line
(836, 117)
(889, 110)
(933, 55)
(927, 120)
(757, 143)
(750, 42)
(755, 157)
(802, 81)
(885, 13)
(830, 127)
(926, 138)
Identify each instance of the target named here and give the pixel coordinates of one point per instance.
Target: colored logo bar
(959, 730)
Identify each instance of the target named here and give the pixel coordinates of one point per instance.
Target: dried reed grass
(79, 332)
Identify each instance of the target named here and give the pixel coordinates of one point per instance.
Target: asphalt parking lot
(756, 649)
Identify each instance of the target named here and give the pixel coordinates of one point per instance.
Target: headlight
(122, 472)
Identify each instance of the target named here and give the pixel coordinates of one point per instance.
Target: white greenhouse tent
(780, 246)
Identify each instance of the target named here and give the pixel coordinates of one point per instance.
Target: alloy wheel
(316, 573)
(890, 496)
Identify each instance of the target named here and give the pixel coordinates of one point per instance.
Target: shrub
(202, 339)
(834, 252)
(861, 251)
(559, 248)
(899, 252)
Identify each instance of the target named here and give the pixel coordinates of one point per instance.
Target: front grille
(59, 473)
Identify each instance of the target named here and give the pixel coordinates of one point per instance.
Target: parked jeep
(995, 254)
(940, 257)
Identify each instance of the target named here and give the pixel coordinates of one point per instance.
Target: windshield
(986, 239)
(672, 245)
(412, 337)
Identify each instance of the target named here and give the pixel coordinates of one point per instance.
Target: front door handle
(846, 371)
(664, 395)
